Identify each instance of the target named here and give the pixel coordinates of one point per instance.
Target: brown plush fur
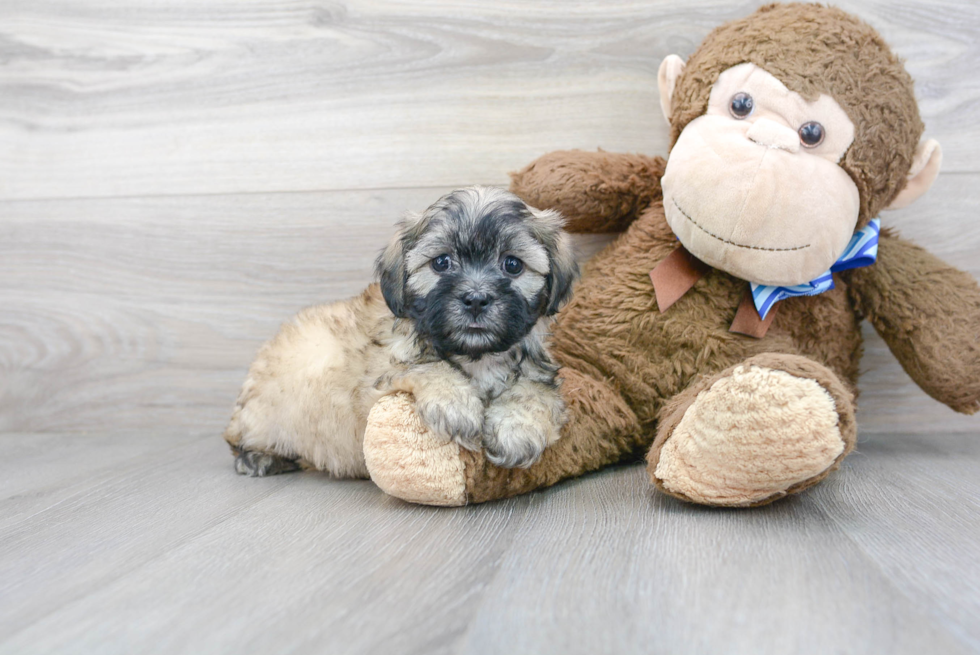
(624, 360)
(630, 370)
(929, 315)
(602, 430)
(628, 366)
(813, 50)
(624, 185)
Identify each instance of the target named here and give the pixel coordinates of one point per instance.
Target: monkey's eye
(741, 105)
(512, 265)
(441, 263)
(811, 134)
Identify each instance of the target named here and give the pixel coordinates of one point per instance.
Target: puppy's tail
(233, 432)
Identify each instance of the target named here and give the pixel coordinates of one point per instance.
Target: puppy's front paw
(459, 418)
(512, 441)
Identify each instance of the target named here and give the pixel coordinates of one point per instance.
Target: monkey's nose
(769, 133)
(476, 301)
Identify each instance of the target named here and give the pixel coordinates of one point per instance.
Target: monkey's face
(753, 187)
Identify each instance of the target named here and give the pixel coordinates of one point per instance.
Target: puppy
(460, 320)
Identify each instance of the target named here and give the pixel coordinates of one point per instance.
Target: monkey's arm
(595, 191)
(929, 315)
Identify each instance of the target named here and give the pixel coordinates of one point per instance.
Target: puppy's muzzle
(476, 302)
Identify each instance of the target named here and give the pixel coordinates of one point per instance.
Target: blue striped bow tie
(862, 250)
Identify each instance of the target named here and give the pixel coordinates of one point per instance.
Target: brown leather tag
(747, 319)
(675, 275)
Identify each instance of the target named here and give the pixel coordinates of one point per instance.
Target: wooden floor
(177, 178)
(150, 543)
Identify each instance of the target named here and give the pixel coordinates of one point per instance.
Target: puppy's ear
(390, 267)
(561, 257)
(564, 272)
(390, 271)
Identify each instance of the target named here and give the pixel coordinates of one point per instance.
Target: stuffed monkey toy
(719, 334)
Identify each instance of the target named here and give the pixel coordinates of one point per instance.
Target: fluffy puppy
(459, 320)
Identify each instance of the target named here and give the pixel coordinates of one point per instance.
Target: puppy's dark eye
(741, 105)
(512, 265)
(811, 134)
(441, 263)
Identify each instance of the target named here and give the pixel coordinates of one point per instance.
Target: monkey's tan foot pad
(751, 437)
(409, 462)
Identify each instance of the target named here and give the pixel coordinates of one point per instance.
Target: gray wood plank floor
(178, 178)
(160, 547)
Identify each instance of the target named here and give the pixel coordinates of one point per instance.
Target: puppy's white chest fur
(492, 373)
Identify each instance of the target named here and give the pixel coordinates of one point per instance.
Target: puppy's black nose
(476, 301)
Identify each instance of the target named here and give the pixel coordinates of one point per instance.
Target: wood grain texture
(41, 470)
(926, 488)
(326, 565)
(85, 532)
(178, 178)
(654, 575)
(174, 553)
(134, 98)
(140, 313)
(145, 313)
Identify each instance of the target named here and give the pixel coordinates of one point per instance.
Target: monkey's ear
(925, 167)
(670, 69)
(564, 272)
(390, 271)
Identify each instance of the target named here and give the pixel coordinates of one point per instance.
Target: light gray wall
(177, 178)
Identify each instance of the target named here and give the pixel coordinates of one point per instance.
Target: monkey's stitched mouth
(732, 243)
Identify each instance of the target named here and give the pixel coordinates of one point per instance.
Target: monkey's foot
(409, 462)
(759, 431)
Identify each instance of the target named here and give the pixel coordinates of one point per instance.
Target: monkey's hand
(929, 315)
(521, 423)
(444, 400)
(595, 191)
